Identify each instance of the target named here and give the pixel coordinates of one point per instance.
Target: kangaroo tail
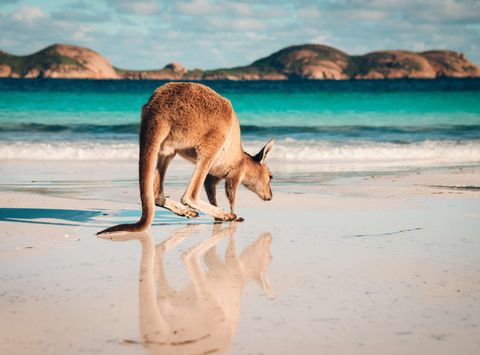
(152, 133)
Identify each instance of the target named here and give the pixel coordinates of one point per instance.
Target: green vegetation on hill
(42, 60)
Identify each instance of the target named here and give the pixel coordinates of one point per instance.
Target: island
(301, 62)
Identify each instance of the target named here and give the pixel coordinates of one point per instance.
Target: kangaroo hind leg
(205, 159)
(160, 199)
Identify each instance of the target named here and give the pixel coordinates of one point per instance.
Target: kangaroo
(203, 316)
(193, 121)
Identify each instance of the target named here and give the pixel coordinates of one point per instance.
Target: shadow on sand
(202, 317)
(33, 215)
(75, 218)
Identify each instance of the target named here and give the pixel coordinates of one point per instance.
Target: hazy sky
(148, 34)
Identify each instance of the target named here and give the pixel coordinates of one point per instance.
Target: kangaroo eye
(271, 177)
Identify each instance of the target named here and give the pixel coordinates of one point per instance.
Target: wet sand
(350, 265)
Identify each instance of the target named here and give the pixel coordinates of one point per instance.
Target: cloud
(39, 29)
(28, 14)
(435, 11)
(79, 16)
(135, 7)
(198, 7)
(210, 34)
(215, 9)
(362, 26)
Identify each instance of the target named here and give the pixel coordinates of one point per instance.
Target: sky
(207, 34)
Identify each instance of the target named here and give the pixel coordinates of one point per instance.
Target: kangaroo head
(257, 175)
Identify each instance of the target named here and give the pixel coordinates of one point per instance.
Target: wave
(73, 128)
(416, 153)
(426, 153)
(377, 133)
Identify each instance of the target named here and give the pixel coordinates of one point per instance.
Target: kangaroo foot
(209, 209)
(228, 218)
(189, 213)
(234, 219)
(177, 208)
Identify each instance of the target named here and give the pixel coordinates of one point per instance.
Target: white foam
(321, 151)
(285, 151)
(61, 150)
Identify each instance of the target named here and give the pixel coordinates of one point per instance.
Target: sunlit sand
(351, 265)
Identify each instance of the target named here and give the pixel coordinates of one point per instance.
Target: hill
(58, 61)
(314, 61)
(309, 61)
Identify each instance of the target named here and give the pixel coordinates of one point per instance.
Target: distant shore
(307, 61)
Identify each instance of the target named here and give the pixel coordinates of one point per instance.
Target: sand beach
(352, 265)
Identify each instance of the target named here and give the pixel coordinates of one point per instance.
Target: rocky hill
(58, 61)
(73, 62)
(309, 61)
(314, 61)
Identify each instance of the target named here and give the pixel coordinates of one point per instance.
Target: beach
(352, 264)
(302, 177)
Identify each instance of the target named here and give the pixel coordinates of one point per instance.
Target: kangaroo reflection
(203, 317)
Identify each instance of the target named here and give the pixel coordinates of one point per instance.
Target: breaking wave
(424, 153)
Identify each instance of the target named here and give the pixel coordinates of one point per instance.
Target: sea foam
(425, 153)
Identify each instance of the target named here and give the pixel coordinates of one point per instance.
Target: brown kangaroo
(203, 316)
(195, 122)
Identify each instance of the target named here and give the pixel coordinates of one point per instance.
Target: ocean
(329, 125)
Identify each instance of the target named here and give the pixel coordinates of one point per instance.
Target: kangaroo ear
(262, 154)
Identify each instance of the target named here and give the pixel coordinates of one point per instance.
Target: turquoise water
(430, 122)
